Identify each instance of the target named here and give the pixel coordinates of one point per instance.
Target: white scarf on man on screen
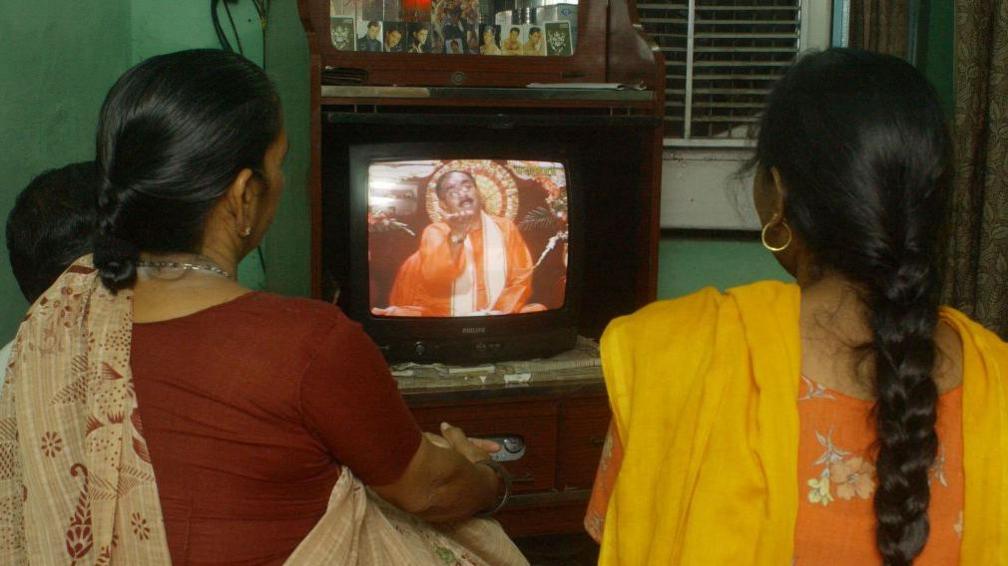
(464, 299)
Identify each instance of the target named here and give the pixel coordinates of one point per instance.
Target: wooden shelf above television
(490, 94)
(610, 48)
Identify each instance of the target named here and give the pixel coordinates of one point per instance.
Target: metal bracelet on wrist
(505, 477)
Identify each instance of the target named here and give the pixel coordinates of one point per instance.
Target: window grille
(721, 60)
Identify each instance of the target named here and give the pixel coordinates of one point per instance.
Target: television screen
(466, 237)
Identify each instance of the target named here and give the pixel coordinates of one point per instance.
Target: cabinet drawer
(535, 423)
(583, 426)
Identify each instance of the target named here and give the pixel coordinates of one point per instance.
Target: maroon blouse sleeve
(351, 403)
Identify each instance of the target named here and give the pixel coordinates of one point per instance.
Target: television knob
(420, 348)
(481, 347)
(514, 444)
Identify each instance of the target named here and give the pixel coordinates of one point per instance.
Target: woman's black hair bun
(116, 260)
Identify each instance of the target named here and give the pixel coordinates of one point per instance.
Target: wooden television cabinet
(404, 97)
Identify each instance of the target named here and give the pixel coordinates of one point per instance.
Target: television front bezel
(449, 339)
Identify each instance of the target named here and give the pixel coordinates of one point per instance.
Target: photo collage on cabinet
(454, 27)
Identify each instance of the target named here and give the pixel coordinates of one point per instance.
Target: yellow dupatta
(704, 392)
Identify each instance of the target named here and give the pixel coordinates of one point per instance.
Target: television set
(465, 252)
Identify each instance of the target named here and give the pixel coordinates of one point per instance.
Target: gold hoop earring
(772, 248)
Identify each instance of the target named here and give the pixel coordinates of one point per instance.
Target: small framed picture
(558, 39)
(535, 42)
(394, 37)
(489, 40)
(341, 28)
(370, 39)
(455, 46)
(512, 43)
(419, 38)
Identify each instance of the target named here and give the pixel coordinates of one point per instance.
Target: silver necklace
(184, 265)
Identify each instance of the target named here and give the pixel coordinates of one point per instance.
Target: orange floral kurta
(836, 522)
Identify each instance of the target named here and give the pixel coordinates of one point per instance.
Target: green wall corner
(287, 248)
(687, 264)
(158, 27)
(58, 62)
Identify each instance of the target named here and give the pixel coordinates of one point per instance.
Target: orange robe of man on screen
(490, 274)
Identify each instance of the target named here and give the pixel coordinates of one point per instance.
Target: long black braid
(861, 144)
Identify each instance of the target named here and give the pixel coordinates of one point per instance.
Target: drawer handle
(527, 477)
(512, 447)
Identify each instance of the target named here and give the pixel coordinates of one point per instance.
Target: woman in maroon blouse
(252, 405)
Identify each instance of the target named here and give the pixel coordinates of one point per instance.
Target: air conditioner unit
(722, 58)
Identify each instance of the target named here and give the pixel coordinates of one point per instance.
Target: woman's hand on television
(483, 444)
(486, 445)
(474, 449)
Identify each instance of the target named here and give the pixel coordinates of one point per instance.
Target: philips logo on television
(474, 330)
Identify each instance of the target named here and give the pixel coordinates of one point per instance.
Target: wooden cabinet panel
(534, 422)
(582, 429)
(554, 513)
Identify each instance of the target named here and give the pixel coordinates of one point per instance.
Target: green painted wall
(163, 27)
(288, 245)
(58, 62)
(688, 264)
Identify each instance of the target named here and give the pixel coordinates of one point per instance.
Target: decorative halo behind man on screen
(469, 262)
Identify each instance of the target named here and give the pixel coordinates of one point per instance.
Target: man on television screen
(470, 263)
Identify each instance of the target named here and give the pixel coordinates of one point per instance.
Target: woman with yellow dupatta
(157, 412)
(848, 419)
